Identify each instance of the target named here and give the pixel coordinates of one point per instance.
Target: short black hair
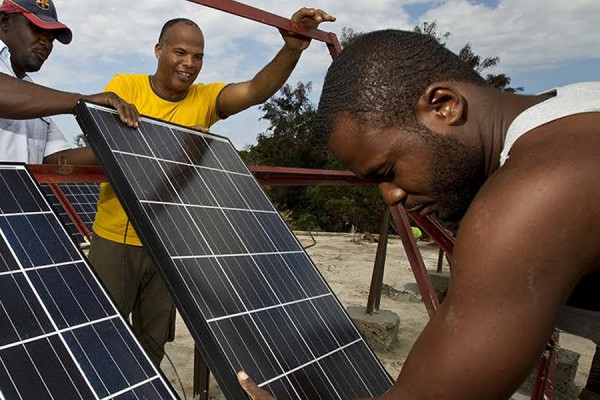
(173, 22)
(379, 77)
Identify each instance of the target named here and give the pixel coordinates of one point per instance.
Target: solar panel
(84, 198)
(249, 294)
(60, 336)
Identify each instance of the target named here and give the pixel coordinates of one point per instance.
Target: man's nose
(392, 194)
(188, 60)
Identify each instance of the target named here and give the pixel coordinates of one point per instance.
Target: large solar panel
(60, 336)
(249, 294)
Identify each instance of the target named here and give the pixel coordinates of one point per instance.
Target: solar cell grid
(248, 292)
(84, 199)
(60, 336)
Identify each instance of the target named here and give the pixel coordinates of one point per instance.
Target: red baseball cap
(41, 13)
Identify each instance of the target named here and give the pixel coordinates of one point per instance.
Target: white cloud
(526, 35)
(113, 36)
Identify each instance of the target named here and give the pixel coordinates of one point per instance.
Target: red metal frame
(544, 382)
(274, 176)
(415, 259)
(54, 173)
(267, 18)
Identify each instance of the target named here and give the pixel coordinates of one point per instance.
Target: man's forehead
(355, 145)
(180, 30)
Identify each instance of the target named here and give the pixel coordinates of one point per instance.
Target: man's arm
(76, 156)
(21, 99)
(240, 96)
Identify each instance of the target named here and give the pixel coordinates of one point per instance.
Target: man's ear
(441, 105)
(4, 20)
(157, 50)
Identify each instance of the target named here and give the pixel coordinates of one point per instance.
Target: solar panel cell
(42, 369)
(84, 198)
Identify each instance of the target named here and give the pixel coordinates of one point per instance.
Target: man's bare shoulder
(545, 198)
(562, 142)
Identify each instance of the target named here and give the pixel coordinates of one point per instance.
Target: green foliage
(80, 140)
(291, 141)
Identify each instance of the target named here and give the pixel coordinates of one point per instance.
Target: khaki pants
(136, 288)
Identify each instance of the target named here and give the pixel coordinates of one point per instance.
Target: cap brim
(62, 32)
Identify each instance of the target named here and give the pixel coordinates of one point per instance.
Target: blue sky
(541, 43)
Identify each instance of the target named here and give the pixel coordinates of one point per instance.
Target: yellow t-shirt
(199, 107)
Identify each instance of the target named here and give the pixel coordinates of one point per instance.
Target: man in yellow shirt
(116, 252)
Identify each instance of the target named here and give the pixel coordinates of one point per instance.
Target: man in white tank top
(399, 108)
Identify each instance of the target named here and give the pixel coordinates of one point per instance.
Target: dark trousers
(129, 276)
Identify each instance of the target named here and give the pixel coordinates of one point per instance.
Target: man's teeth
(185, 74)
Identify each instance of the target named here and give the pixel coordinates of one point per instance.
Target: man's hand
(127, 112)
(310, 18)
(252, 388)
(200, 128)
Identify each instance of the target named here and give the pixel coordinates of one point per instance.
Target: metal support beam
(415, 259)
(201, 377)
(276, 21)
(544, 382)
(374, 300)
(70, 210)
(273, 176)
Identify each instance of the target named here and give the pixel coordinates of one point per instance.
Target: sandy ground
(346, 262)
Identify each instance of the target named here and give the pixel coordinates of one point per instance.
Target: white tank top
(568, 100)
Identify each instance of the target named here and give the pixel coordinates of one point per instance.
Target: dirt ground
(346, 262)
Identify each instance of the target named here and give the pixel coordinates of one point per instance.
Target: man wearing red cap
(27, 32)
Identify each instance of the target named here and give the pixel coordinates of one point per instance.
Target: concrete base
(439, 280)
(564, 386)
(379, 330)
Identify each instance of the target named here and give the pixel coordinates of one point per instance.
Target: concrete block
(564, 381)
(380, 330)
(439, 280)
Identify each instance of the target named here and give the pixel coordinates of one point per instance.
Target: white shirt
(30, 140)
(572, 99)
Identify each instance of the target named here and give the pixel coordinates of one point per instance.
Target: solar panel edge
(207, 345)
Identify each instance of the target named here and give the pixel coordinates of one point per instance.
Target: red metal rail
(52, 173)
(282, 176)
(267, 18)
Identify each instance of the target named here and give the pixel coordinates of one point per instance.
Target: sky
(541, 43)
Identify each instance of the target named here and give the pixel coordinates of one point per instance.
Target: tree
(80, 140)
(291, 141)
